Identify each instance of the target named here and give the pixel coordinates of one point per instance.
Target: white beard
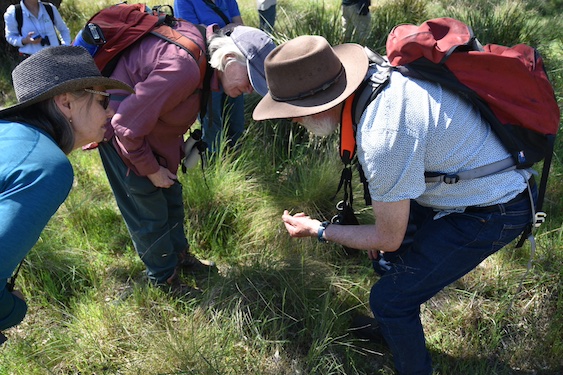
(321, 127)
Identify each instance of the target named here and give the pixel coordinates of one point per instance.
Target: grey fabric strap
(504, 165)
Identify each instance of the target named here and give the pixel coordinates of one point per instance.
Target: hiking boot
(188, 262)
(176, 287)
(365, 327)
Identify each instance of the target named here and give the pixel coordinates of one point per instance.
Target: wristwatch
(321, 232)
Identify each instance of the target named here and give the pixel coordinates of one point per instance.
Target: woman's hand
(29, 39)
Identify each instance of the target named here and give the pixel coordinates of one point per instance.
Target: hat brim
(68, 86)
(257, 80)
(355, 63)
(255, 45)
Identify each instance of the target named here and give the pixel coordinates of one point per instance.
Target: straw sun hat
(307, 76)
(54, 71)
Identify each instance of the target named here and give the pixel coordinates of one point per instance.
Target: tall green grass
(280, 305)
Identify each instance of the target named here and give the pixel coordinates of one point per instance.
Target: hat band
(311, 92)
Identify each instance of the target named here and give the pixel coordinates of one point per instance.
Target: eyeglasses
(106, 95)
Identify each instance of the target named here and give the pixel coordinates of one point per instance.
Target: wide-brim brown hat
(307, 76)
(54, 71)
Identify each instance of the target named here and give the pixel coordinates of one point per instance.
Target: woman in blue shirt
(62, 105)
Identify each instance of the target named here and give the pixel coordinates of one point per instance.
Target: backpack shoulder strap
(373, 85)
(197, 52)
(352, 112)
(19, 17)
(364, 95)
(167, 33)
(50, 12)
(216, 9)
(206, 87)
(19, 14)
(49, 9)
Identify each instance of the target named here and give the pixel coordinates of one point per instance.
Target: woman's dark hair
(47, 117)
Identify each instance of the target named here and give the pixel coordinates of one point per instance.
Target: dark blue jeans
(267, 19)
(441, 252)
(227, 114)
(154, 216)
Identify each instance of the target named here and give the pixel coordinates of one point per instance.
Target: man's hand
(300, 225)
(163, 178)
(373, 254)
(386, 235)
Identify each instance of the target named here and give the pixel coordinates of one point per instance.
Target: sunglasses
(106, 95)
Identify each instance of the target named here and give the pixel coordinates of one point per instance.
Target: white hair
(220, 48)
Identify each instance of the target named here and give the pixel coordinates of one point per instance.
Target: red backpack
(115, 28)
(112, 30)
(511, 81)
(508, 85)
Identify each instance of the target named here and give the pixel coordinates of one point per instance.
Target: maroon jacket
(148, 126)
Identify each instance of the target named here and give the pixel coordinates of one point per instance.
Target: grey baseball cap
(255, 45)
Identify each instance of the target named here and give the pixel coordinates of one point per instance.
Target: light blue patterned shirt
(40, 25)
(415, 126)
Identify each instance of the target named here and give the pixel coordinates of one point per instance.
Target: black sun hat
(54, 71)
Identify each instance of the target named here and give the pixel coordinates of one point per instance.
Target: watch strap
(321, 231)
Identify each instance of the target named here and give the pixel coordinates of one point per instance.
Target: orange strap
(347, 136)
(167, 33)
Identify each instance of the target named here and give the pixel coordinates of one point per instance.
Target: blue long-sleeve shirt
(35, 179)
(198, 12)
(40, 25)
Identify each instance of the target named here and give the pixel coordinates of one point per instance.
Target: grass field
(277, 305)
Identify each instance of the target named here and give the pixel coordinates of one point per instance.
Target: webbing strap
(500, 166)
(19, 17)
(527, 235)
(188, 45)
(347, 132)
(197, 53)
(346, 182)
(48, 8)
(347, 150)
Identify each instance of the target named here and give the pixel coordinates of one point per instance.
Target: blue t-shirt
(198, 12)
(35, 179)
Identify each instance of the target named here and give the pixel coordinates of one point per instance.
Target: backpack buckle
(539, 219)
(451, 179)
